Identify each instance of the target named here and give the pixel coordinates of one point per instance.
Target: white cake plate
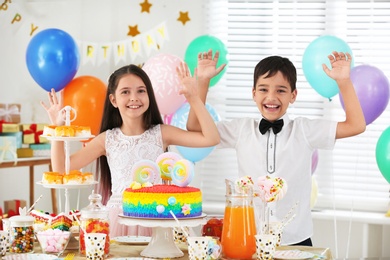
(162, 244)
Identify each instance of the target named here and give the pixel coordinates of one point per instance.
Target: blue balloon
(179, 119)
(314, 56)
(52, 59)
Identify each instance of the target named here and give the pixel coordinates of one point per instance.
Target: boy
(277, 145)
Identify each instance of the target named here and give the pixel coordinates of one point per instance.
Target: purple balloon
(314, 161)
(372, 88)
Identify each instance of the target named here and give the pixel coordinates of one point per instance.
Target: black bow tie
(265, 125)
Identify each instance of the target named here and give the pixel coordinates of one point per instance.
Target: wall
(87, 21)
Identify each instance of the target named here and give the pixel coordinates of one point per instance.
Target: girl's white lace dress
(122, 152)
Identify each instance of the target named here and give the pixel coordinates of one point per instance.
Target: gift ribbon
(8, 147)
(8, 112)
(33, 130)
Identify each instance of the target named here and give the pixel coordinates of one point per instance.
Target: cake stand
(162, 244)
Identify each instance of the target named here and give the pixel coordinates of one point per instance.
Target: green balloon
(383, 154)
(203, 44)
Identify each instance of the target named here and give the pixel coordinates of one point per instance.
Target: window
(348, 176)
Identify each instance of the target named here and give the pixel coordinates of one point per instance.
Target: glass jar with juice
(239, 227)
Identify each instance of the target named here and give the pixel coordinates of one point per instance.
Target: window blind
(348, 176)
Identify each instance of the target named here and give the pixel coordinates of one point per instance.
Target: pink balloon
(161, 70)
(168, 119)
(314, 161)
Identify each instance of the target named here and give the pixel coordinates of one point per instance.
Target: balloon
(179, 119)
(203, 44)
(314, 161)
(52, 59)
(314, 56)
(161, 70)
(382, 153)
(372, 88)
(314, 192)
(86, 94)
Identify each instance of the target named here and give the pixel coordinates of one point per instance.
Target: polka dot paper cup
(204, 248)
(94, 245)
(3, 242)
(265, 246)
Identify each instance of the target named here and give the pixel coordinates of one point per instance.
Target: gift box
(24, 152)
(18, 135)
(41, 150)
(7, 127)
(12, 207)
(10, 112)
(32, 133)
(8, 148)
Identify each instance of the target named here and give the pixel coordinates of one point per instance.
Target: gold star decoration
(133, 31)
(183, 17)
(145, 6)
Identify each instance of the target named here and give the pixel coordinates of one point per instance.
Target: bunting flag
(13, 18)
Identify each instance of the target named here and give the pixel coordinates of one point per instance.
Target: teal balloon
(203, 44)
(179, 119)
(315, 55)
(382, 154)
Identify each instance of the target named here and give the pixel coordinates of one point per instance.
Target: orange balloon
(86, 94)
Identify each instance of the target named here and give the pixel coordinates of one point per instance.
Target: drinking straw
(290, 211)
(182, 228)
(33, 205)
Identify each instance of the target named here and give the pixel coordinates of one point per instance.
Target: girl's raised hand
(341, 65)
(189, 88)
(207, 64)
(54, 109)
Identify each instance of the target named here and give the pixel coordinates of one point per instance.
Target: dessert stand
(67, 141)
(162, 244)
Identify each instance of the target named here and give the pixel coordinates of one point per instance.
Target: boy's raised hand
(54, 109)
(188, 83)
(341, 65)
(207, 65)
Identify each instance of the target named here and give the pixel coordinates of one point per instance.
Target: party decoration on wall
(133, 31)
(145, 6)
(382, 152)
(179, 119)
(15, 17)
(161, 70)
(86, 94)
(52, 59)
(203, 44)
(372, 88)
(314, 161)
(316, 54)
(139, 46)
(183, 17)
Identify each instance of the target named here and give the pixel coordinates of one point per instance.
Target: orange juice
(238, 232)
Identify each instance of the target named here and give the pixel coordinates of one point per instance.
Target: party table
(121, 250)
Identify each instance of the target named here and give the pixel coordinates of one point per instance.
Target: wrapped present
(8, 148)
(7, 127)
(24, 152)
(10, 113)
(32, 134)
(18, 135)
(41, 150)
(12, 207)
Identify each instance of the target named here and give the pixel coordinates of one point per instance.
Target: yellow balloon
(314, 192)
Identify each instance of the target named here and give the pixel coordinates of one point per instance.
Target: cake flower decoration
(186, 209)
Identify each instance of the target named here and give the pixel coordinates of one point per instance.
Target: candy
(166, 161)
(93, 225)
(145, 171)
(244, 184)
(271, 189)
(183, 172)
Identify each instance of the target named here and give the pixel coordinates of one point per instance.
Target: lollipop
(182, 172)
(271, 189)
(145, 171)
(166, 161)
(244, 184)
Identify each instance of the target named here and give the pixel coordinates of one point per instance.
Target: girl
(131, 130)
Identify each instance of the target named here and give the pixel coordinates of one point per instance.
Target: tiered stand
(67, 140)
(162, 244)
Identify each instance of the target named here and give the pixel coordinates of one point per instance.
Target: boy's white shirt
(293, 149)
